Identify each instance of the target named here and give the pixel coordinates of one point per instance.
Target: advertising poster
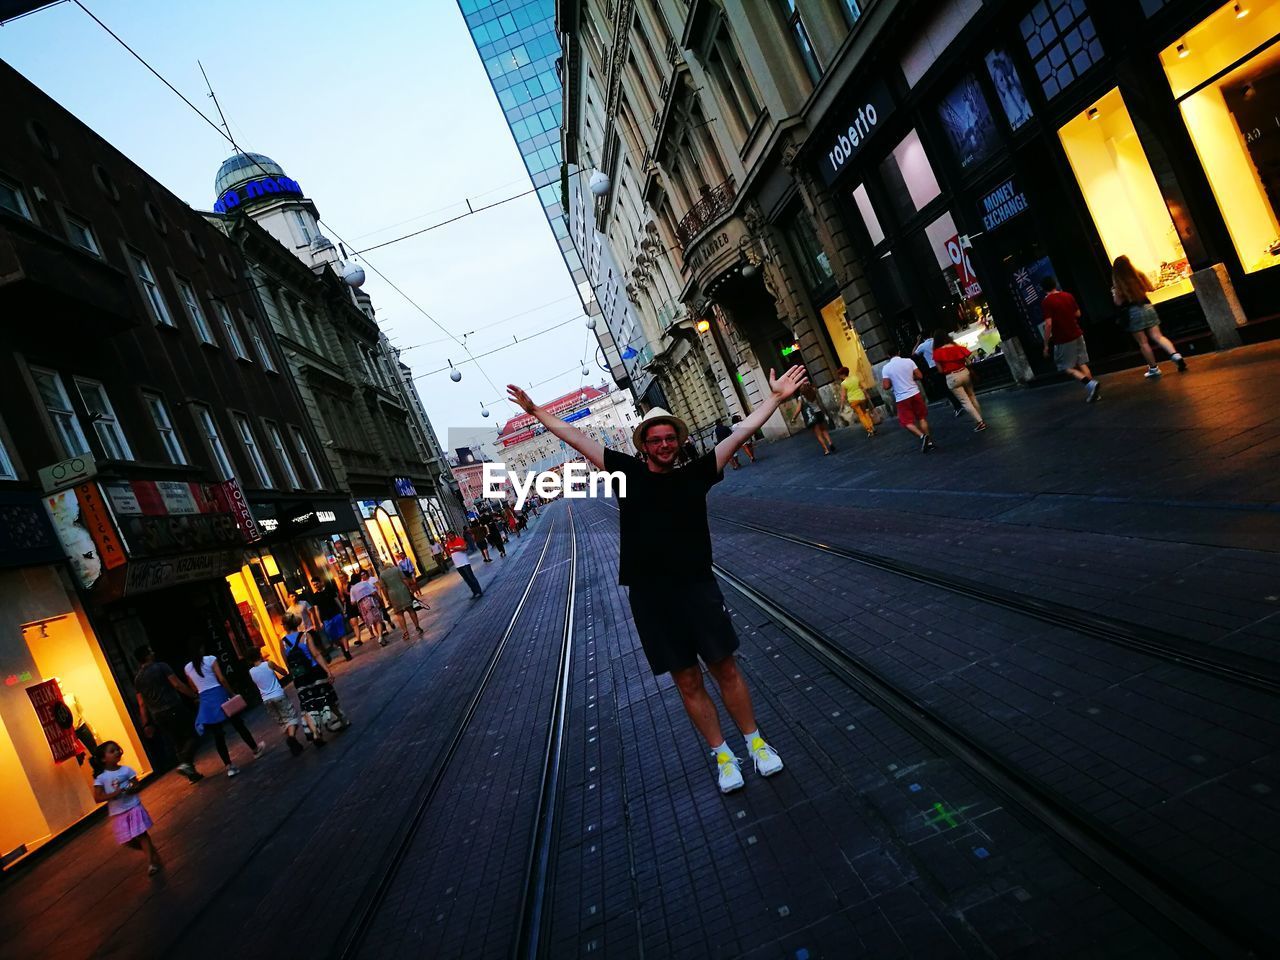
(63, 508)
(1024, 284)
(1008, 88)
(968, 123)
(46, 698)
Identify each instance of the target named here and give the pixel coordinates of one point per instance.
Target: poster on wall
(968, 123)
(63, 508)
(46, 699)
(1008, 88)
(1024, 284)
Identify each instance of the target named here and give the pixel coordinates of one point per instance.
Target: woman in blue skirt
(205, 674)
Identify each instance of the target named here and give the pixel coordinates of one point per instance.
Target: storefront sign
(95, 518)
(230, 498)
(46, 698)
(145, 575)
(67, 473)
(157, 498)
(520, 437)
(291, 518)
(578, 415)
(404, 487)
(1002, 204)
(858, 121)
(156, 536)
(256, 190)
(706, 249)
(556, 408)
(958, 249)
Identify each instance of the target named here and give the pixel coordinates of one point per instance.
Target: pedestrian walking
(481, 536)
(314, 682)
(665, 563)
(953, 361)
(1129, 289)
(399, 598)
(813, 416)
(301, 607)
(351, 611)
(903, 377)
(205, 673)
(457, 548)
(509, 517)
(163, 708)
(854, 395)
(117, 786)
(494, 530)
(364, 591)
(933, 380)
(331, 614)
(1062, 333)
(723, 432)
(405, 563)
(280, 707)
(748, 445)
(438, 556)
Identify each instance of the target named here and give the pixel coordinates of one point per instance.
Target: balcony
(669, 313)
(712, 205)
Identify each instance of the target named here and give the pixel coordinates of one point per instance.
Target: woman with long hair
(814, 416)
(1129, 289)
(953, 363)
(205, 673)
(854, 395)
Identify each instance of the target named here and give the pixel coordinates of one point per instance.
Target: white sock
(748, 737)
(723, 746)
(1175, 357)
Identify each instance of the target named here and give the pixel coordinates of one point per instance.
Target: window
(869, 218)
(909, 180)
(800, 37)
(12, 199)
(103, 418)
(150, 289)
(217, 450)
(192, 305)
(309, 466)
(7, 471)
(1123, 196)
(851, 10)
(1062, 42)
(229, 325)
(260, 344)
(81, 234)
(283, 455)
(1226, 73)
(262, 474)
(164, 426)
(813, 260)
(303, 226)
(1008, 88)
(58, 405)
(968, 124)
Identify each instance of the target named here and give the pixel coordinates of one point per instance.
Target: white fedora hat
(658, 415)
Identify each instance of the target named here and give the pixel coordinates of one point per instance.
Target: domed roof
(244, 167)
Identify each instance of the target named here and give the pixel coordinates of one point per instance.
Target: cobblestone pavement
(1157, 506)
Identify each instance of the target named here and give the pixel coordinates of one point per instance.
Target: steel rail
(1224, 664)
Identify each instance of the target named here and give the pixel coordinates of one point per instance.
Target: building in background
(468, 470)
(519, 47)
(148, 404)
(606, 416)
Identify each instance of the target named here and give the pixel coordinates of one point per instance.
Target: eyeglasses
(660, 441)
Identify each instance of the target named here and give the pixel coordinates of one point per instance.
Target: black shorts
(680, 622)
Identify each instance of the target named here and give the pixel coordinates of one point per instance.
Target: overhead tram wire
(226, 135)
(471, 212)
(506, 346)
(506, 319)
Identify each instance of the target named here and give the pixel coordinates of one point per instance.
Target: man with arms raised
(665, 563)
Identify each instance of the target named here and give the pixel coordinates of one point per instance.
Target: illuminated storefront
(385, 530)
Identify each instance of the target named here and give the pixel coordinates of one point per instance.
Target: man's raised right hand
(520, 398)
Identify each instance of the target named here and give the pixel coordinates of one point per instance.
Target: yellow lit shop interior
(1123, 196)
(386, 532)
(1225, 74)
(41, 795)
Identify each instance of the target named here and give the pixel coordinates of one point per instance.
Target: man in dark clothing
(494, 529)
(162, 708)
(665, 562)
(724, 433)
(328, 604)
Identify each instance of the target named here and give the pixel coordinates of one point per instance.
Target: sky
(383, 113)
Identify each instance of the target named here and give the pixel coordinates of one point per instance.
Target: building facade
(149, 404)
(824, 178)
(606, 416)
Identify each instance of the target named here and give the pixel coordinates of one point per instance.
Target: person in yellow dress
(853, 395)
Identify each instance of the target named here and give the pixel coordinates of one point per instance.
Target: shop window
(1062, 42)
(967, 121)
(869, 218)
(1226, 70)
(1013, 99)
(909, 177)
(813, 260)
(1121, 192)
(847, 342)
(972, 324)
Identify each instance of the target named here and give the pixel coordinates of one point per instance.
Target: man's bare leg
(698, 704)
(734, 693)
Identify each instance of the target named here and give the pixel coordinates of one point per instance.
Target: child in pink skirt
(117, 787)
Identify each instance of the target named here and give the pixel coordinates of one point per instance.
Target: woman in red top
(953, 363)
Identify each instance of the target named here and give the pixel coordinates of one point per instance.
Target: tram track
(1190, 924)
(1226, 665)
(539, 860)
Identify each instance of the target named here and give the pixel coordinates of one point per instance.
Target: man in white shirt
(903, 377)
(934, 379)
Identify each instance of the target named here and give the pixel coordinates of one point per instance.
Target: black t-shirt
(157, 692)
(326, 601)
(662, 521)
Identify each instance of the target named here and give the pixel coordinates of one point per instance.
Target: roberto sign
(265, 188)
(857, 121)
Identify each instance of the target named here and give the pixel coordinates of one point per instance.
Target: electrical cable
(444, 223)
(506, 346)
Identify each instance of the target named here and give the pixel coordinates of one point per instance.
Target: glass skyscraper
(517, 42)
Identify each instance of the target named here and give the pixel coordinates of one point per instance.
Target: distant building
(608, 417)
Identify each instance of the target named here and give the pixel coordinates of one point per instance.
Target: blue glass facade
(517, 42)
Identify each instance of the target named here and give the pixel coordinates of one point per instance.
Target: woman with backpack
(313, 681)
(1129, 289)
(205, 673)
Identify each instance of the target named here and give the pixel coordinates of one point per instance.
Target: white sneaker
(730, 775)
(1152, 372)
(262, 748)
(232, 770)
(765, 758)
